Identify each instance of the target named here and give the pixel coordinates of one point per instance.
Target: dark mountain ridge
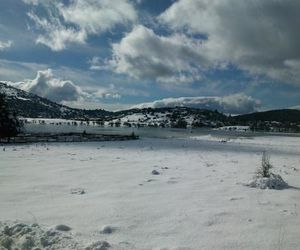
(279, 115)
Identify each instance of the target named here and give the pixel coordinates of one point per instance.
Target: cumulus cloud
(143, 54)
(260, 37)
(63, 91)
(46, 85)
(56, 36)
(232, 104)
(5, 45)
(104, 93)
(74, 22)
(97, 16)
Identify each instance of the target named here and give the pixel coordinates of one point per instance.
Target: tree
(9, 124)
(181, 123)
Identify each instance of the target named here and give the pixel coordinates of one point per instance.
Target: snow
(199, 200)
(143, 119)
(22, 98)
(236, 128)
(12, 92)
(26, 237)
(275, 181)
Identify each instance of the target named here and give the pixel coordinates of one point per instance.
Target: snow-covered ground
(106, 191)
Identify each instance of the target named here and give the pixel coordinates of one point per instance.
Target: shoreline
(66, 137)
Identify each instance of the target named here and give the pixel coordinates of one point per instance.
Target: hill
(281, 115)
(28, 105)
(25, 104)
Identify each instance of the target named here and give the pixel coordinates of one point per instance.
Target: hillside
(282, 115)
(178, 117)
(25, 104)
(284, 120)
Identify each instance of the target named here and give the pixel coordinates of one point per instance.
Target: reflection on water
(143, 132)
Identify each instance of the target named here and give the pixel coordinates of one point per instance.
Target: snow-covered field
(106, 192)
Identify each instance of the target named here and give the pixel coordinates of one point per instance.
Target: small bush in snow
(265, 178)
(265, 169)
(275, 181)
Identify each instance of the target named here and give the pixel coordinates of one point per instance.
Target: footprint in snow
(236, 198)
(108, 229)
(77, 191)
(155, 172)
(62, 227)
(151, 180)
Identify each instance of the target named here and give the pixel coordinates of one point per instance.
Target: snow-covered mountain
(176, 117)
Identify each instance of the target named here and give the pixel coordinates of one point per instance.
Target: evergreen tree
(9, 125)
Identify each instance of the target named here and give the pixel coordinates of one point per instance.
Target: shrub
(265, 169)
(181, 123)
(265, 178)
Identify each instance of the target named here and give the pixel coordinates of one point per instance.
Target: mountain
(281, 115)
(28, 105)
(283, 120)
(25, 104)
(177, 117)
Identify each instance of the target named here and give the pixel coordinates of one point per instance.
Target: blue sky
(114, 54)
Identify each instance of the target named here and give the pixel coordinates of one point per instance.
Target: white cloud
(47, 85)
(96, 63)
(57, 36)
(232, 104)
(5, 45)
(33, 2)
(104, 93)
(295, 107)
(98, 105)
(95, 16)
(261, 37)
(74, 22)
(143, 54)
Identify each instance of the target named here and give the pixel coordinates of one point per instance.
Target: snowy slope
(170, 117)
(198, 201)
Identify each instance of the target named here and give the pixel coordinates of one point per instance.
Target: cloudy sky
(237, 56)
